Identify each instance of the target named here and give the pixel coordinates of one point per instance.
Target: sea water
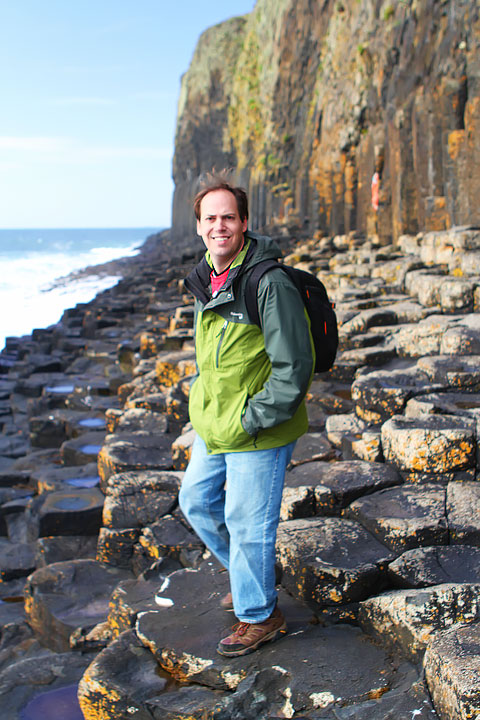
(31, 260)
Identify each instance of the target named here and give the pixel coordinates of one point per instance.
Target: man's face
(220, 227)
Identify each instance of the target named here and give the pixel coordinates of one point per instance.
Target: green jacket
(251, 383)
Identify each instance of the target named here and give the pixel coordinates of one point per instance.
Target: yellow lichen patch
(456, 139)
(377, 693)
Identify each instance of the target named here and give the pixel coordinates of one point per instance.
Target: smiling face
(221, 227)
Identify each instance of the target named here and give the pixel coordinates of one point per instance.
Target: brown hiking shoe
(247, 637)
(226, 603)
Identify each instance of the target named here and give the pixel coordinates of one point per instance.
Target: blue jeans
(232, 501)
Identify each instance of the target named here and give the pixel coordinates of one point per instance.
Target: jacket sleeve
(288, 344)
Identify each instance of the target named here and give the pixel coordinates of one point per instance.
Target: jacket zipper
(221, 334)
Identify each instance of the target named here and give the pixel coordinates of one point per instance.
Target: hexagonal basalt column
(381, 394)
(424, 446)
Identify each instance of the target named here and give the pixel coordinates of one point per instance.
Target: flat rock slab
(170, 538)
(422, 338)
(430, 443)
(52, 477)
(305, 669)
(64, 547)
(66, 596)
(461, 372)
(452, 671)
(28, 679)
(69, 512)
(132, 597)
(16, 560)
(83, 449)
(120, 680)
(339, 426)
(407, 619)
(404, 517)
(312, 446)
(328, 561)
(134, 451)
(381, 394)
(136, 499)
(134, 419)
(444, 403)
(436, 565)
(463, 512)
(335, 485)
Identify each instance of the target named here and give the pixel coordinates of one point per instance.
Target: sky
(88, 102)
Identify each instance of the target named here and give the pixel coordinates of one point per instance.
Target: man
(247, 407)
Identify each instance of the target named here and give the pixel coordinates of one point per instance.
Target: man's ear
(244, 225)
(198, 228)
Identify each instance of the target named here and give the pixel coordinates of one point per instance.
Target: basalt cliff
(307, 100)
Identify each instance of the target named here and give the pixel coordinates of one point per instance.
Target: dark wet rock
(54, 477)
(451, 671)
(12, 589)
(134, 451)
(336, 485)
(170, 538)
(12, 446)
(16, 560)
(64, 547)
(426, 566)
(274, 671)
(65, 596)
(120, 680)
(328, 561)
(136, 499)
(463, 512)
(69, 512)
(404, 517)
(430, 443)
(380, 394)
(28, 679)
(53, 429)
(83, 449)
(195, 703)
(116, 547)
(409, 618)
(33, 386)
(132, 597)
(12, 499)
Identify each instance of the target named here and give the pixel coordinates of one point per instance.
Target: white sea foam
(26, 300)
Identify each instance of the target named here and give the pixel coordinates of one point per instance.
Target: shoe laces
(241, 628)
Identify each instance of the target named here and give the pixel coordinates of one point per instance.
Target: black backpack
(323, 321)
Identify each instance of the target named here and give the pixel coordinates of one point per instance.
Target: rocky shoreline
(104, 585)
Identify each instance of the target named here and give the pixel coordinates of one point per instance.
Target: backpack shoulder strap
(251, 289)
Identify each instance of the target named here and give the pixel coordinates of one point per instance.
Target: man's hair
(218, 182)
